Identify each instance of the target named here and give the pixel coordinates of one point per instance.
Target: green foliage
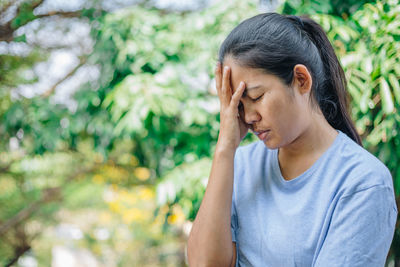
(15, 69)
(185, 185)
(331, 7)
(158, 67)
(150, 122)
(25, 15)
(371, 58)
(152, 109)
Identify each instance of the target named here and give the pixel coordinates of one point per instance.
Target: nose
(251, 115)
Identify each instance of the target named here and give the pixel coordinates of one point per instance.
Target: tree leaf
(386, 96)
(394, 82)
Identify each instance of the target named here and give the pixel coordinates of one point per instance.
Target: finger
(218, 77)
(225, 88)
(238, 94)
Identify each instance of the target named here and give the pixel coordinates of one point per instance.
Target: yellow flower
(114, 188)
(146, 193)
(177, 216)
(128, 198)
(115, 174)
(115, 206)
(142, 173)
(134, 161)
(172, 219)
(98, 179)
(133, 215)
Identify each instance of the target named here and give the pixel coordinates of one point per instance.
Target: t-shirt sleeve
(233, 222)
(361, 229)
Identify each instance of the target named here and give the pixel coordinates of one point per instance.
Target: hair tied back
(276, 43)
(299, 21)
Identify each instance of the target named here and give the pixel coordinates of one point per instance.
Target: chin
(271, 145)
(274, 142)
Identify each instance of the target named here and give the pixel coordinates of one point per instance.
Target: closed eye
(256, 99)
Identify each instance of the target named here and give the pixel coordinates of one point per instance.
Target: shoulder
(361, 169)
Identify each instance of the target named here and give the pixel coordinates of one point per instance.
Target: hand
(232, 127)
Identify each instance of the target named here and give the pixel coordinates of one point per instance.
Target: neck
(314, 140)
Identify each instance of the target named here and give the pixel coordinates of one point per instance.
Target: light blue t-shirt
(339, 212)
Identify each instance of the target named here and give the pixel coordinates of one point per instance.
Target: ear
(302, 79)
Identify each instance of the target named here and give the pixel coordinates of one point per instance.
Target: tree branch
(5, 168)
(37, 3)
(7, 31)
(19, 252)
(51, 90)
(6, 6)
(48, 195)
(22, 245)
(71, 14)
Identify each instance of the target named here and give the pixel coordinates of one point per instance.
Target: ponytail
(332, 95)
(276, 43)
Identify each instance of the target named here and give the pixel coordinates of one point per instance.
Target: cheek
(273, 108)
(295, 117)
(281, 112)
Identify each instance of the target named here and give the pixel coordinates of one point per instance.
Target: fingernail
(241, 84)
(226, 68)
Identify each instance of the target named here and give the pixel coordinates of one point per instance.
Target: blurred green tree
(150, 122)
(152, 109)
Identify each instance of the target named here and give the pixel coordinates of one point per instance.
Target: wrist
(225, 149)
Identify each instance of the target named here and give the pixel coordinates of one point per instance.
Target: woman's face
(275, 113)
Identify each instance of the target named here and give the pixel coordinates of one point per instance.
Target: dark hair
(276, 43)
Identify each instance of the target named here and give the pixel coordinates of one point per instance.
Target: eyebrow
(254, 87)
(251, 88)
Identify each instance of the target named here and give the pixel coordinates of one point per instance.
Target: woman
(307, 193)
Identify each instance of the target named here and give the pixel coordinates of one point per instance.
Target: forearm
(210, 240)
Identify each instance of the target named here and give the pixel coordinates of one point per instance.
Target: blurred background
(109, 118)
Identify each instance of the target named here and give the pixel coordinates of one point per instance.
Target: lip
(262, 134)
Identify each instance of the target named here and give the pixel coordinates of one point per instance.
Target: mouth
(262, 134)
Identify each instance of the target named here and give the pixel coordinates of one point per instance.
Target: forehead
(250, 76)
